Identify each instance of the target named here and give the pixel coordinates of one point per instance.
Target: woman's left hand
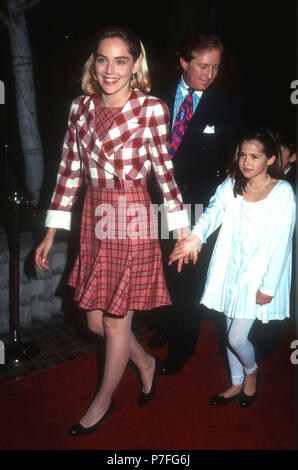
(263, 299)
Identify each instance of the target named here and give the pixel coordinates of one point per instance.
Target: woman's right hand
(41, 252)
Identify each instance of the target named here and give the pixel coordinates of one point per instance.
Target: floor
(58, 341)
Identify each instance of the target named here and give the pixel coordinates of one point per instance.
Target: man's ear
(183, 63)
(293, 157)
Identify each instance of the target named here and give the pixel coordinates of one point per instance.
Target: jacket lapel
(123, 127)
(170, 100)
(86, 128)
(200, 117)
(125, 124)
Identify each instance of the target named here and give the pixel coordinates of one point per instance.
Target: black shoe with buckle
(219, 400)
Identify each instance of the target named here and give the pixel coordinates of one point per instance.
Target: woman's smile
(114, 67)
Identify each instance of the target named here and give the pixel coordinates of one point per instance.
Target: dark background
(259, 60)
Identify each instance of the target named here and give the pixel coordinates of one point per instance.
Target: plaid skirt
(119, 266)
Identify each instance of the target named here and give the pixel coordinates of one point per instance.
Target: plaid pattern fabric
(118, 273)
(181, 121)
(105, 117)
(138, 137)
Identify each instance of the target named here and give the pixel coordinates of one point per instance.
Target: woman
(115, 132)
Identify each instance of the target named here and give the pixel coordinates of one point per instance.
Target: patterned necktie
(181, 122)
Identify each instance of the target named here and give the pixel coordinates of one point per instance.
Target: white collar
(286, 171)
(184, 88)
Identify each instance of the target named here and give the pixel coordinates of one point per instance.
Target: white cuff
(177, 219)
(58, 219)
(266, 291)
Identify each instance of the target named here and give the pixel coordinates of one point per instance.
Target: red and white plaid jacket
(138, 137)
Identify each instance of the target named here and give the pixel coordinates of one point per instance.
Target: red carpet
(37, 410)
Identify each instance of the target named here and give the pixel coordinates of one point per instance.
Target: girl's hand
(183, 233)
(185, 249)
(263, 299)
(43, 249)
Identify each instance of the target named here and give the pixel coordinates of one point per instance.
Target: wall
(38, 290)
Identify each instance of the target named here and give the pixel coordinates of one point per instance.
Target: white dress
(253, 252)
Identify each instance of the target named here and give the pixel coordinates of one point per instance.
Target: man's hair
(198, 41)
(287, 140)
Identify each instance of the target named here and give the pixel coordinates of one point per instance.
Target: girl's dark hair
(270, 147)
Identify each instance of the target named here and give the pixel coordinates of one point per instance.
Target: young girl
(115, 133)
(249, 275)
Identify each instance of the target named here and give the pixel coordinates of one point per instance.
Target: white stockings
(240, 351)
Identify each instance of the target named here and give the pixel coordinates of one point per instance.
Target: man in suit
(200, 160)
(288, 156)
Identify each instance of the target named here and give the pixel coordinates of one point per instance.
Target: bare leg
(144, 361)
(121, 344)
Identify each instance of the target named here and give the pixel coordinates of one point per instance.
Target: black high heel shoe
(246, 400)
(146, 397)
(79, 430)
(219, 400)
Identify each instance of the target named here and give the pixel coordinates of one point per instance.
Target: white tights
(240, 351)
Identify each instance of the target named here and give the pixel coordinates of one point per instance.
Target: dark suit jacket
(202, 158)
(291, 176)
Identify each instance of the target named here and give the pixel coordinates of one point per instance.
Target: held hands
(263, 299)
(184, 249)
(182, 233)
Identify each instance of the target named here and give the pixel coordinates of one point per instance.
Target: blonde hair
(140, 80)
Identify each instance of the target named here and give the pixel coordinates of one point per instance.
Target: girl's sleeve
(69, 178)
(281, 243)
(212, 216)
(177, 215)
